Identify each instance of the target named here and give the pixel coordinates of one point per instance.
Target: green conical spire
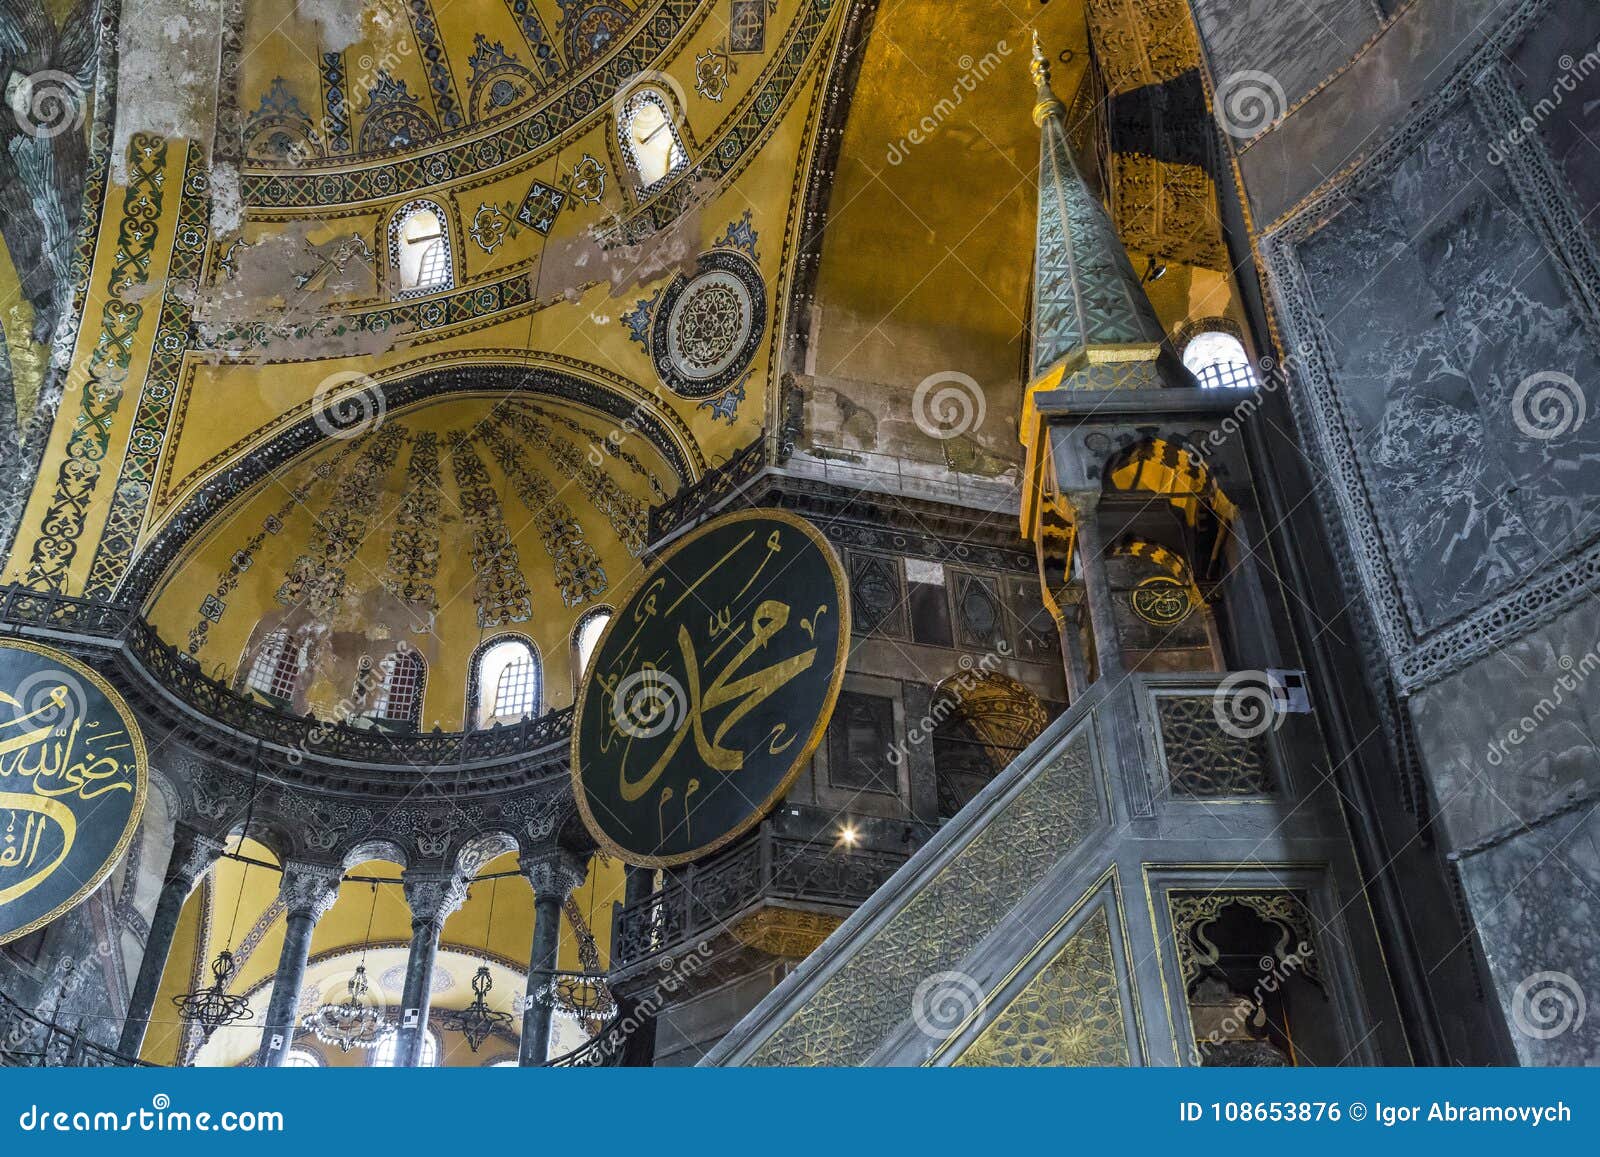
(1086, 296)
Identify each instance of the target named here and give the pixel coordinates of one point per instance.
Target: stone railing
(703, 898)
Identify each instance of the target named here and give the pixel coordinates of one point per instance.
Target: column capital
(309, 889)
(193, 853)
(432, 896)
(553, 872)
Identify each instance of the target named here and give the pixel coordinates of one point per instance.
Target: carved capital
(432, 896)
(308, 889)
(192, 857)
(554, 872)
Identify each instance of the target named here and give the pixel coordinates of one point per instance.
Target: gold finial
(1040, 67)
(1045, 103)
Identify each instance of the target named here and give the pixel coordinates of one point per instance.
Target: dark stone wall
(1425, 222)
(1438, 299)
(1299, 44)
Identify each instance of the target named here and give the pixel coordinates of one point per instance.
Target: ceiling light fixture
(356, 1021)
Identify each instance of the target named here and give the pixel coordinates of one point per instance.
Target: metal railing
(705, 896)
(28, 1040)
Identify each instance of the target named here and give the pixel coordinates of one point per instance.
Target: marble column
(192, 856)
(432, 897)
(307, 891)
(553, 874)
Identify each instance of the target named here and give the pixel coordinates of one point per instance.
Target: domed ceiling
(442, 525)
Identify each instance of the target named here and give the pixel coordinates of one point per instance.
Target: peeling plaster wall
(339, 21)
(169, 54)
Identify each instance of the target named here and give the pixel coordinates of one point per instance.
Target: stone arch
(636, 412)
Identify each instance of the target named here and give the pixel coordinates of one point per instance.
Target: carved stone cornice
(308, 889)
(433, 896)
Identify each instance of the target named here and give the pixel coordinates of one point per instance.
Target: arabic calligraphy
(710, 687)
(72, 784)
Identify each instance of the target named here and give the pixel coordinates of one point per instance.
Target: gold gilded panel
(1142, 42)
(785, 931)
(1069, 1014)
(1167, 210)
(850, 1013)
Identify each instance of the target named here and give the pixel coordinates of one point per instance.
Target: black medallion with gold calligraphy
(711, 687)
(73, 779)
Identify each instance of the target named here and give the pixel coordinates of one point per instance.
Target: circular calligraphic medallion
(710, 688)
(73, 779)
(709, 326)
(1162, 601)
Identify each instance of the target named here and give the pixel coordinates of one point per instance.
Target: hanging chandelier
(214, 1006)
(354, 1022)
(478, 1022)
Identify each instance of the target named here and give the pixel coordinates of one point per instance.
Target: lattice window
(1219, 360)
(400, 695)
(649, 138)
(585, 638)
(419, 249)
(299, 1058)
(276, 668)
(506, 682)
(387, 1054)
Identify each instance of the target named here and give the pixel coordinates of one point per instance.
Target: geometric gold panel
(1069, 1014)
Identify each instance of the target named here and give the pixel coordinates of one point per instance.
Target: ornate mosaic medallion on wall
(708, 327)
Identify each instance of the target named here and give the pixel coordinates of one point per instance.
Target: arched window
(276, 667)
(403, 676)
(301, 1058)
(419, 249)
(1218, 358)
(505, 684)
(386, 1055)
(649, 138)
(585, 638)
